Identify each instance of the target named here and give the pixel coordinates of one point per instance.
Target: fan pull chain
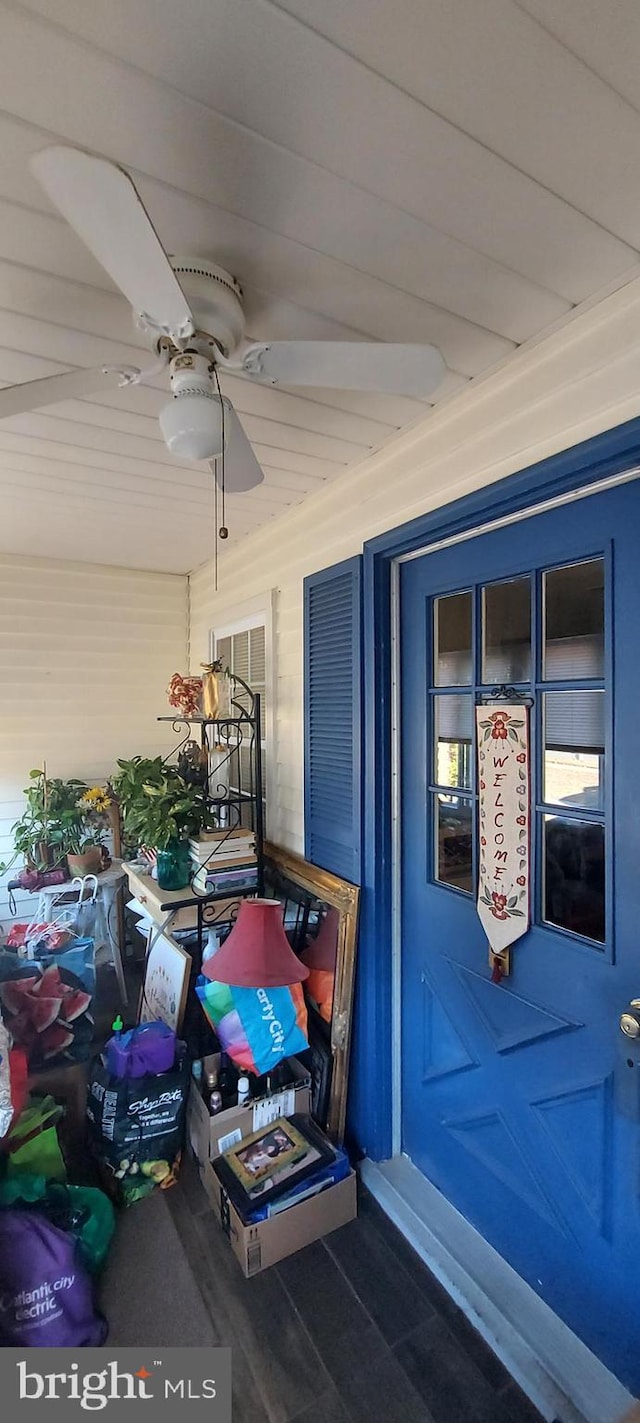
(214, 467)
(223, 530)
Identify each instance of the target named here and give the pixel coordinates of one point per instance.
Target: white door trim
(561, 1376)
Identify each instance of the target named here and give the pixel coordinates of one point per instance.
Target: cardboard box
(256, 1247)
(211, 1136)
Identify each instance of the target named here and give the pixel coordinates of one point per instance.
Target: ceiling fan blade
(101, 203)
(34, 394)
(241, 469)
(347, 365)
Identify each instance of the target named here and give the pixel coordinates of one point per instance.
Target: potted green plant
(160, 811)
(48, 822)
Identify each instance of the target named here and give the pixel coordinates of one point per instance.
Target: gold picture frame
(272, 1161)
(345, 897)
(250, 1161)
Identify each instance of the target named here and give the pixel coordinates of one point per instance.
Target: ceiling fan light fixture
(192, 426)
(192, 421)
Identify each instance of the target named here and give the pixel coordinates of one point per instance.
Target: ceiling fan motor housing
(215, 300)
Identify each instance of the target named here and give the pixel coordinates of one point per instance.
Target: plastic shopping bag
(33, 1141)
(257, 1027)
(83, 1211)
(136, 1126)
(6, 1103)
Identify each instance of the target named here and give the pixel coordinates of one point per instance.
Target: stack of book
(224, 861)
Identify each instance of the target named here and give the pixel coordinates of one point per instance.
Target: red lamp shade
(322, 951)
(257, 953)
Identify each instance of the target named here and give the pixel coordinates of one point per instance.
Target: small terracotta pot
(89, 863)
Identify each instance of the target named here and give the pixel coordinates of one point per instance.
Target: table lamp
(257, 953)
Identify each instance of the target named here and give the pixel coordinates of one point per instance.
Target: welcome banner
(503, 770)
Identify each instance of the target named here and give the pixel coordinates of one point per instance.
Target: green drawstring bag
(33, 1145)
(83, 1211)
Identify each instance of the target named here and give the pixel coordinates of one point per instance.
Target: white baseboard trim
(560, 1375)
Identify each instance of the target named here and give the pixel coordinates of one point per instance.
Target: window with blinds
(244, 653)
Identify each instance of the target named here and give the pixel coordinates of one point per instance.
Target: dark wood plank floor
(354, 1328)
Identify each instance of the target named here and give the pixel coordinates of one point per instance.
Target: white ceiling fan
(192, 314)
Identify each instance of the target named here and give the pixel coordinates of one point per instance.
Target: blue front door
(518, 1101)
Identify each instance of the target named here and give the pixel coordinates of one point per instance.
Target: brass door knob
(630, 1021)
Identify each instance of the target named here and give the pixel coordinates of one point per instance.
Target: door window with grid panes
(542, 633)
(244, 653)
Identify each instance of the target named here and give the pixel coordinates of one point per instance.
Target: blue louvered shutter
(333, 718)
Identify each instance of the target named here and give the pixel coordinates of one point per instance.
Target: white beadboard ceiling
(462, 172)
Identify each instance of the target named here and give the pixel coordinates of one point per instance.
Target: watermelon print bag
(47, 1002)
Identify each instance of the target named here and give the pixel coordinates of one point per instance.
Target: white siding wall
(575, 384)
(85, 656)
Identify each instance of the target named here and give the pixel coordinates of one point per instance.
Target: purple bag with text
(46, 1298)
